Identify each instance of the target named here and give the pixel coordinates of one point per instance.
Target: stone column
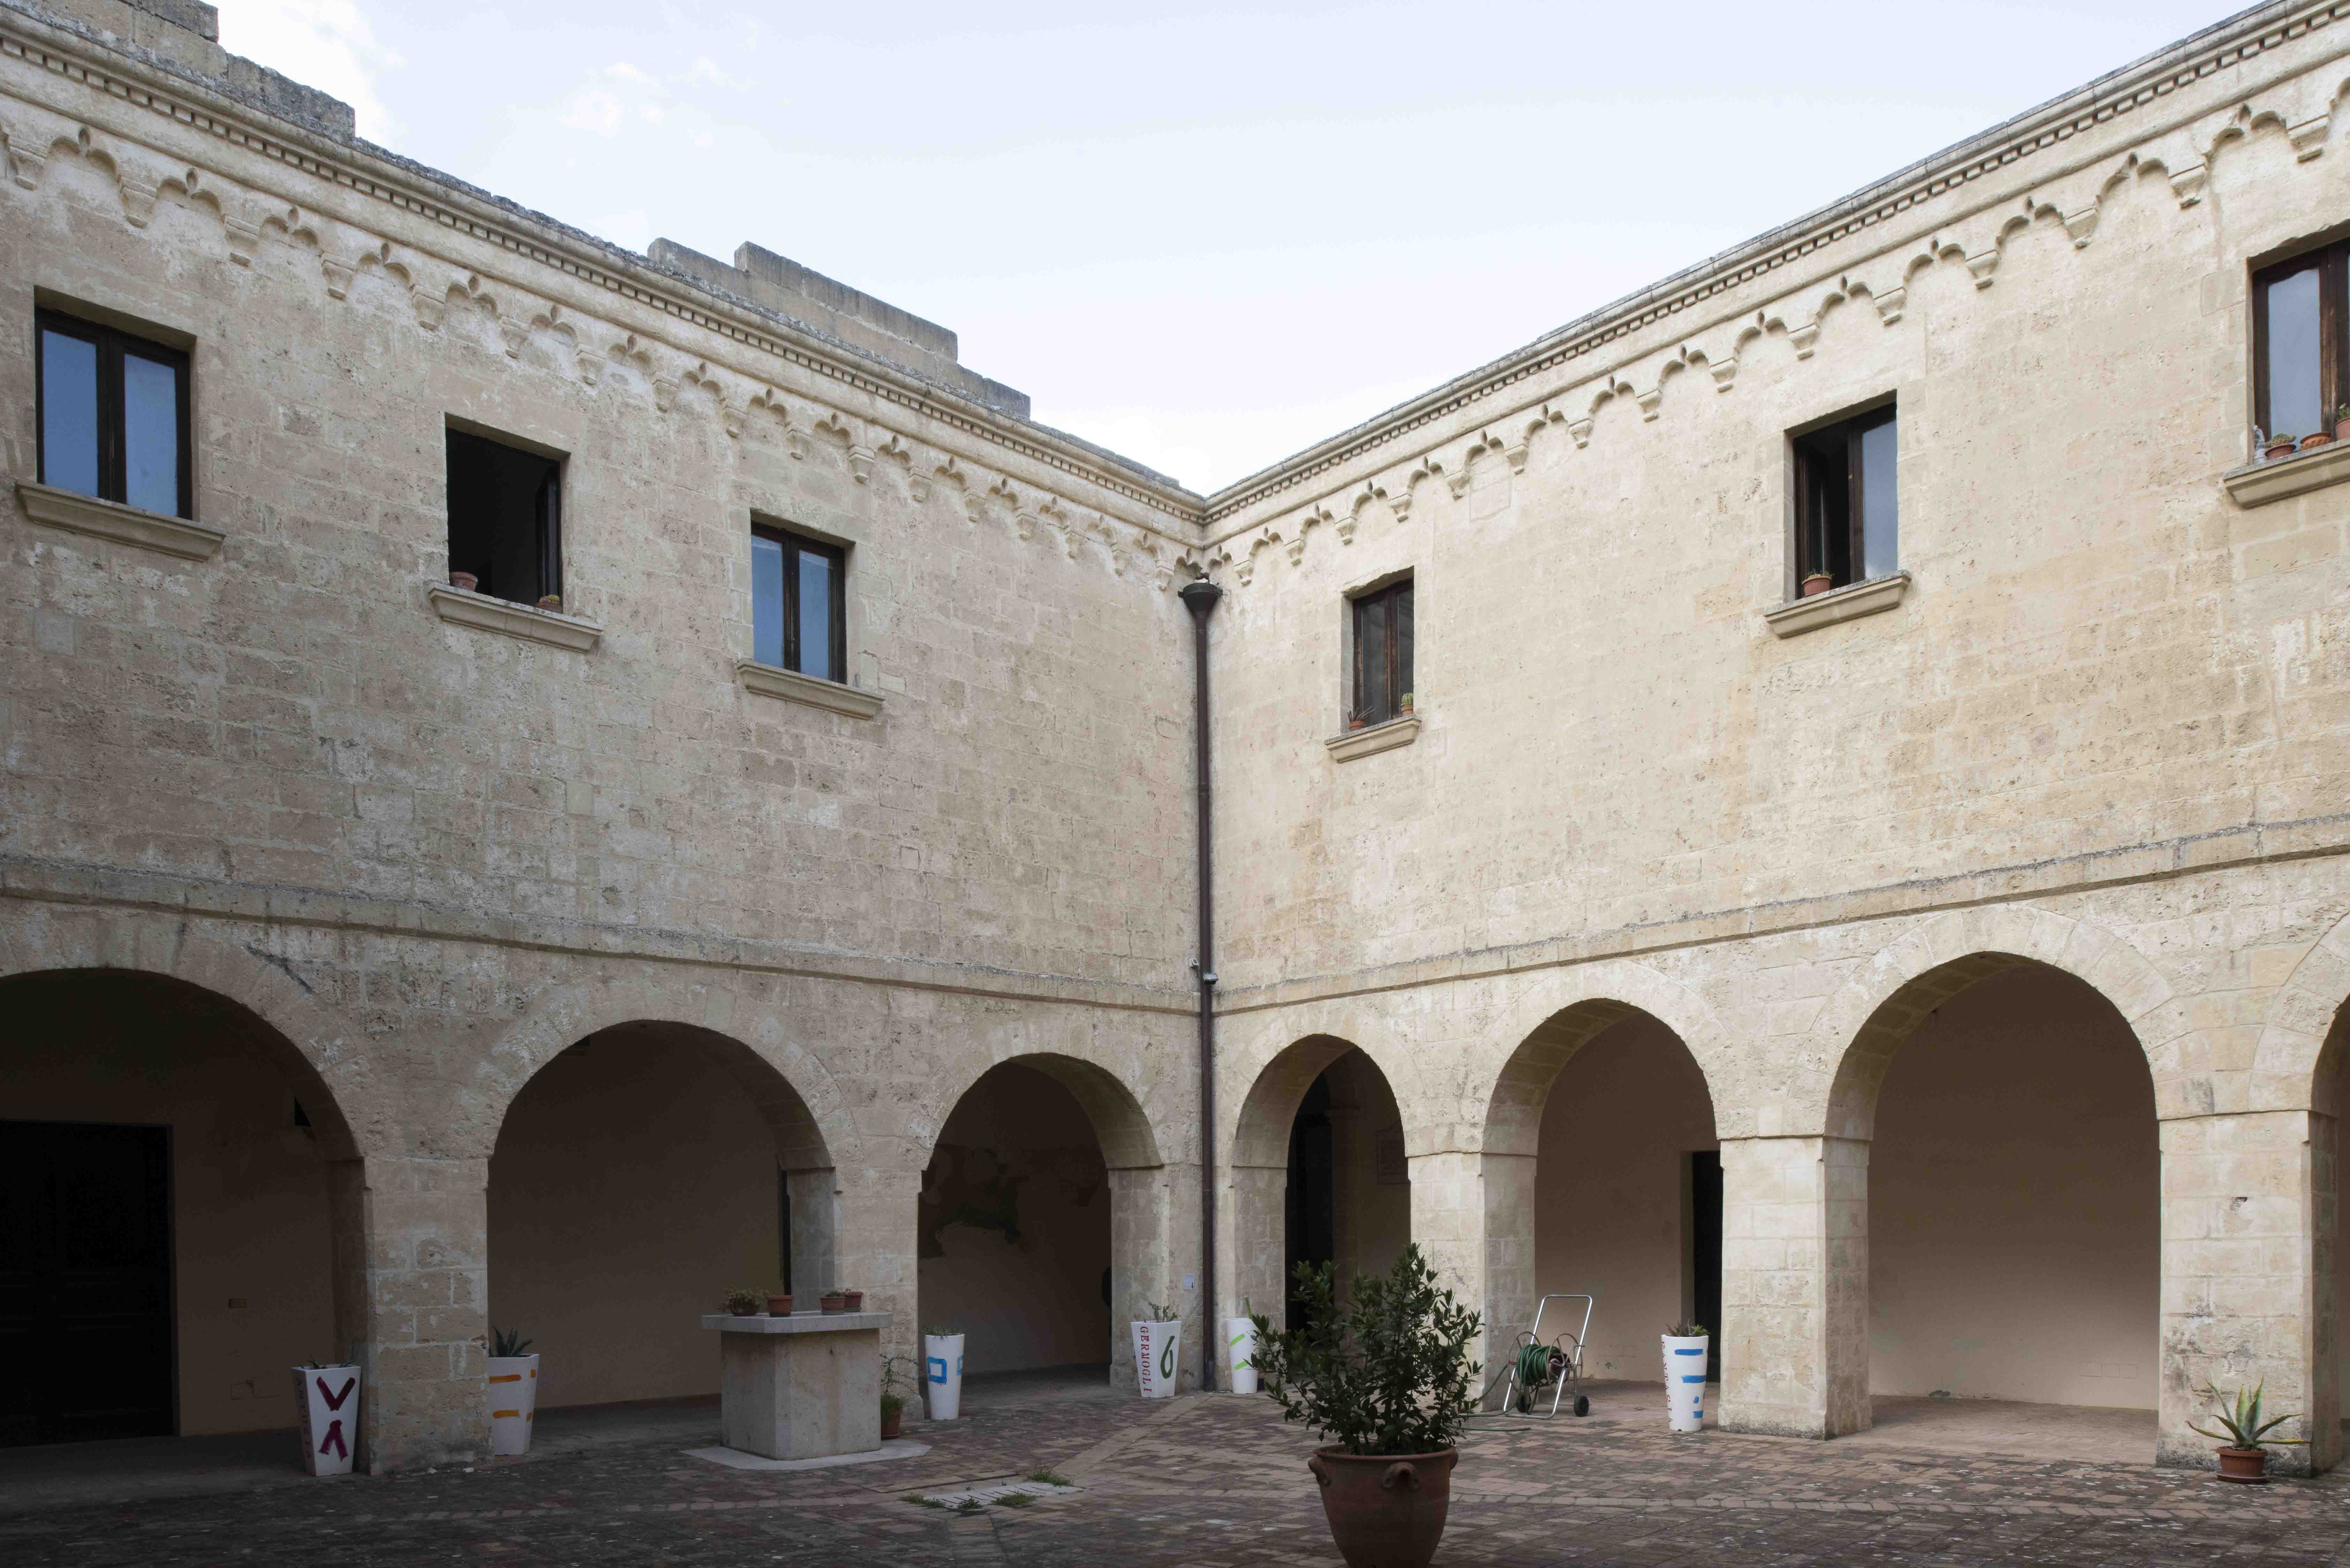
(410, 1241)
(815, 1219)
(875, 1244)
(2248, 1218)
(1448, 1220)
(1154, 1246)
(1508, 1304)
(1794, 1286)
(1254, 1243)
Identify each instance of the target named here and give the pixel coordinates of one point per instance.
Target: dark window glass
(113, 415)
(1848, 500)
(798, 604)
(505, 518)
(2298, 372)
(1382, 674)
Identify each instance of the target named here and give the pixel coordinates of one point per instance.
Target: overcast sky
(1204, 236)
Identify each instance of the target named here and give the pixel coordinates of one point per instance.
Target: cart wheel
(1582, 1404)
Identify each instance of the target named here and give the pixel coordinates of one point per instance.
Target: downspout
(1199, 597)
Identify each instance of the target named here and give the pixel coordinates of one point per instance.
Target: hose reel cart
(1536, 1364)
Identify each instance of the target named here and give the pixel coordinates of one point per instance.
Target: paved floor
(1220, 1479)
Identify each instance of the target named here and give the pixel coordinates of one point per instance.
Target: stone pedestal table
(805, 1386)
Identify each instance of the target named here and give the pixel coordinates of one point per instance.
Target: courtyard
(1218, 1478)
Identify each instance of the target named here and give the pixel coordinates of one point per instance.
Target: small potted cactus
(744, 1302)
(2279, 446)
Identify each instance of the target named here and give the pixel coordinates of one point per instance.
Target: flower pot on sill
(1386, 1510)
(2245, 1467)
(2342, 429)
(1355, 722)
(852, 1301)
(465, 581)
(779, 1306)
(2316, 439)
(552, 602)
(831, 1301)
(2279, 446)
(1817, 583)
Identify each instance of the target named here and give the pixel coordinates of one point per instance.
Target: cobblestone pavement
(1221, 1480)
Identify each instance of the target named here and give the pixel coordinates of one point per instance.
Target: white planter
(514, 1402)
(327, 1400)
(1685, 1381)
(1240, 1346)
(1158, 1350)
(942, 1374)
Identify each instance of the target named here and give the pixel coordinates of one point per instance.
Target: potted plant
(893, 1400)
(852, 1301)
(2342, 422)
(1816, 583)
(833, 1302)
(779, 1306)
(1403, 705)
(1357, 718)
(1390, 1381)
(2316, 439)
(943, 1370)
(1240, 1348)
(1157, 1347)
(328, 1400)
(464, 580)
(1686, 1344)
(514, 1391)
(2279, 446)
(744, 1302)
(551, 602)
(2243, 1438)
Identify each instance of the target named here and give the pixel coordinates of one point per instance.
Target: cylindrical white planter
(327, 1400)
(514, 1402)
(942, 1374)
(1685, 1381)
(1240, 1347)
(1157, 1347)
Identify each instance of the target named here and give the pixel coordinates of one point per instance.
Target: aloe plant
(508, 1342)
(2243, 1427)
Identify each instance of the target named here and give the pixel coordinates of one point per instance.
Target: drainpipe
(1199, 597)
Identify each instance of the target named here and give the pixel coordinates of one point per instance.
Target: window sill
(79, 514)
(772, 680)
(2258, 484)
(1849, 602)
(484, 613)
(1374, 738)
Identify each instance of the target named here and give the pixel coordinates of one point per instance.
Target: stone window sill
(79, 514)
(1847, 603)
(1375, 737)
(770, 680)
(2258, 484)
(484, 613)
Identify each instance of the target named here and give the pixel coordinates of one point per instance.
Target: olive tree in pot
(1390, 1382)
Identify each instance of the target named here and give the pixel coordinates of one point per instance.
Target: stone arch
(267, 979)
(744, 1021)
(1560, 1014)
(2298, 1059)
(1261, 1131)
(1129, 1138)
(1864, 1022)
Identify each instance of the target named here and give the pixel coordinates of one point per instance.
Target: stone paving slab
(1220, 1479)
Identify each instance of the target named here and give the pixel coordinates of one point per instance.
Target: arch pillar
(410, 1274)
(1450, 1210)
(1794, 1286)
(873, 1215)
(2249, 1229)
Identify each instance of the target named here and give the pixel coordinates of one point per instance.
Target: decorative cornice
(2224, 46)
(484, 613)
(773, 680)
(69, 509)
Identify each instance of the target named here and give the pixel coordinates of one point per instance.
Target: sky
(1202, 235)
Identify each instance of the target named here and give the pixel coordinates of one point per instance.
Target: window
(1382, 674)
(1848, 503)
(113, 415)
(2298, 371)
(505, 518)
(798, 601)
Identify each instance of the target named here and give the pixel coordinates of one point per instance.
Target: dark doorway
(85, 1283)
(1310, 1223)
(1705, 1251)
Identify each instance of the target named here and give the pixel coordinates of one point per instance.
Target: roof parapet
(186, 33)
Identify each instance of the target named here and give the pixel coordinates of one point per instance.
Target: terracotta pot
(831, 1301)
(2342, 429)
(1817, 583)
(2316, 439)
(1355, 723)
(2279, 446)
(890, 1420)
(466, 580)
(551, 602)
(779, 1306)
(852, 1301)
(2246, 1466)
(1386, 1510)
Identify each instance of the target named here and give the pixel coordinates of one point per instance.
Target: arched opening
(1041, 1229)
(1319, 1174)
(2013, 1224)
(638, 1177)
(166, 1231)
(1601, 1170)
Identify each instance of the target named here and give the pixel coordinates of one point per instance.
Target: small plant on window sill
(1816, 583)
(551, 602)
(1404, 707)
(464, 582)
(2276, 446)
(1358, 719)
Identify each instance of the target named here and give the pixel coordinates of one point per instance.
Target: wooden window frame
(1381, 600)
(1808, 463)
(792, 543)
(546, 507)
(112, 342)
(2332, 263)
